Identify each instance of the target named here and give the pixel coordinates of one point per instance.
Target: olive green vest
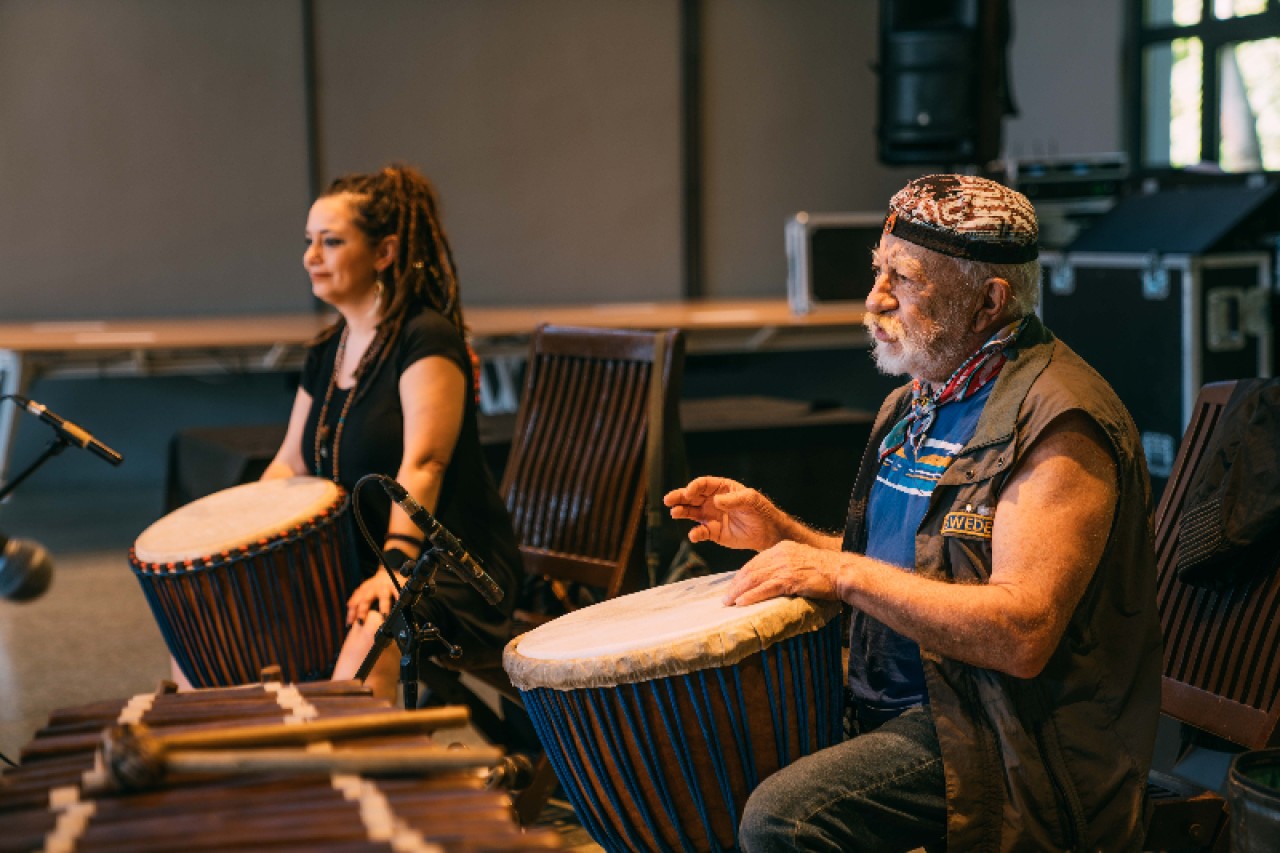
(1059, 761)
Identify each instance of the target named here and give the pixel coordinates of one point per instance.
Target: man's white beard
(931, 352)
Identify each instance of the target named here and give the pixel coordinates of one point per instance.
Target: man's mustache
(891, 325)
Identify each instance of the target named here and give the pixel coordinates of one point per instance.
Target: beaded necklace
(323, 447)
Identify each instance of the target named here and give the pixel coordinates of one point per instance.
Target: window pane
(1171, 121)
(1238, 8)
(1182, 13)
(1250, 106)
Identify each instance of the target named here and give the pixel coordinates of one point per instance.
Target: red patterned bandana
(976, 372)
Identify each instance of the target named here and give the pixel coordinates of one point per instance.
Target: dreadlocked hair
(400, 201)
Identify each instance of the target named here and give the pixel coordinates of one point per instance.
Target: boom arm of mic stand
(57, 445)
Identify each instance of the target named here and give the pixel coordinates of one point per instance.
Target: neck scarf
(977, 371)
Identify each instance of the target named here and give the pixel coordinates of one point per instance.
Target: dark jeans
(882, 791)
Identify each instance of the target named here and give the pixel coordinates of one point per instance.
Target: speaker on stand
(944, 86)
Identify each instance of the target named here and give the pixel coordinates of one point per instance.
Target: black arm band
(398, 560)
(404, 537)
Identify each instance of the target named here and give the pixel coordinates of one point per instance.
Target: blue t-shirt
(885, 674)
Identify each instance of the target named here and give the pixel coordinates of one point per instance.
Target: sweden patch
(967, 524)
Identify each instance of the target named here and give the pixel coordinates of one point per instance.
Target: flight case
(1158, 326)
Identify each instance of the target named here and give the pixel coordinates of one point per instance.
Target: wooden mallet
(135, 758)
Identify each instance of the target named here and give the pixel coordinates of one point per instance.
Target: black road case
(829, 258)
(1158, 326)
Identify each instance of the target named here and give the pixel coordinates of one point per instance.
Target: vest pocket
(970, 559)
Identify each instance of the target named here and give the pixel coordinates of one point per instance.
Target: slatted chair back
(577, 476)
(1222, 646)
(1221, 653)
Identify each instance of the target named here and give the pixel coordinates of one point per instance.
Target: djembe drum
(251, 576)
(662, 710)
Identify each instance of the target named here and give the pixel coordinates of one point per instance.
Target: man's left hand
(787, 568)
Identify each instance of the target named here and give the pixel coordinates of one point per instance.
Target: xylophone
(56, 800)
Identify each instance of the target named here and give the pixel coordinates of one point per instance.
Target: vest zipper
(1066, 796)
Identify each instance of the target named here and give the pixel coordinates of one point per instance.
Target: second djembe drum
(662, 710)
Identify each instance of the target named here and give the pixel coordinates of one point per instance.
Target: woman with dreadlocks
(389, 389)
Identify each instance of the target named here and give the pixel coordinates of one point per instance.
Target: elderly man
(1004, 644)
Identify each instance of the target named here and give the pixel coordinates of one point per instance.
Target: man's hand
(728, 513)
(787, 568)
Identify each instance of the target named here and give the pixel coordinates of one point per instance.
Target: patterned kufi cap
(965, 217)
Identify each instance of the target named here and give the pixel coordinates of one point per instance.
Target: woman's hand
(377, 591)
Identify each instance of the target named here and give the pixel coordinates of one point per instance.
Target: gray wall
(153, 155)
(151, 158)
(550, 127)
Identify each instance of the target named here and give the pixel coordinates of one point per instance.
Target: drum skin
(665, 756)
(249, 577)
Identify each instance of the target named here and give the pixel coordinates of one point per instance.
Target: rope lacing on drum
(652, 769)
(598, 766)
(622, 763)
(711, 734)
(683, 756)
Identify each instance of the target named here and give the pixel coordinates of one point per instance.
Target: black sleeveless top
(372, 441)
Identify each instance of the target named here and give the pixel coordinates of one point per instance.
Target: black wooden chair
(595, 437)
(1221, 655)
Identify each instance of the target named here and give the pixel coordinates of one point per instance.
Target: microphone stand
(60, 443)
(413, 633)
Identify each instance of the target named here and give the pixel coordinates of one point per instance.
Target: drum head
(235, 518)
(669, 630)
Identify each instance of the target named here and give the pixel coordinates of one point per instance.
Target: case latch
(1232, 313)
(1155, 278)
(1062, 279)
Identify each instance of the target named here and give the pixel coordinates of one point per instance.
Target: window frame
(1214, 34)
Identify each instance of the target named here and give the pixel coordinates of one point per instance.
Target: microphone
(456, 556)
(25, 569)
(65, 428)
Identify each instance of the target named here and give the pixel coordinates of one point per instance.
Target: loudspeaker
(943, 80)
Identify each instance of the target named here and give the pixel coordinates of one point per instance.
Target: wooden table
(271, 343)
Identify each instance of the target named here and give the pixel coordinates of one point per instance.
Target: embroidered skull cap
(965, 217)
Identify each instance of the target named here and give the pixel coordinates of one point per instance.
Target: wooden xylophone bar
(77, 729)
(44, 805)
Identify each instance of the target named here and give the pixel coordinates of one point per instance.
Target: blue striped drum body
(251, 576)
(661, 711)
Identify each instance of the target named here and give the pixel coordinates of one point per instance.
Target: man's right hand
(728, 513)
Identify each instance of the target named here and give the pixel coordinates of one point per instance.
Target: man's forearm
(797, 531)
(985, 625)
